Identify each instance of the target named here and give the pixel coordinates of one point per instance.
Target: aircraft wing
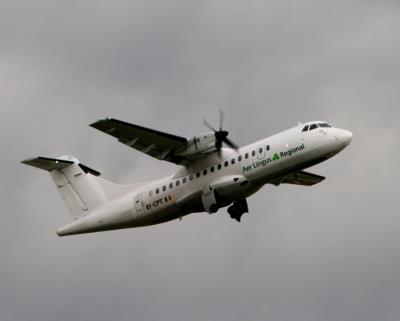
(149, 141)
(300, 178)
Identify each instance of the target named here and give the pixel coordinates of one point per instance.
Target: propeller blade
(207, 124)
(230, 143)
(221, 119)
(221, 136)
(218, 145)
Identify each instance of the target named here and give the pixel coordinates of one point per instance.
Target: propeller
(221, 136)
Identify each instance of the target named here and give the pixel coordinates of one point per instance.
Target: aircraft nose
(347, 136)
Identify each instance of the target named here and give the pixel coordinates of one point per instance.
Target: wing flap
(149, 141)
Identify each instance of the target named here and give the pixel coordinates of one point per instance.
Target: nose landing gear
(238, 208)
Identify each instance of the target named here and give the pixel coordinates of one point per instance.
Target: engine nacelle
(198, 146)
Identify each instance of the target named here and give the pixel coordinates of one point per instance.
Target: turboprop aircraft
(210, 176)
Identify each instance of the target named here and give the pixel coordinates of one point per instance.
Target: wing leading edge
(149, 141)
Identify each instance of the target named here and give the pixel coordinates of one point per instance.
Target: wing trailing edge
(146, 140)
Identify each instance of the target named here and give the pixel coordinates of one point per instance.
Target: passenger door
(261, 152)
(138, 204)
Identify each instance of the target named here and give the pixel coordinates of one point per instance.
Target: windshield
(324, 125)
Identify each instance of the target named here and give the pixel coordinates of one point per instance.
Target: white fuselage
(236, 175)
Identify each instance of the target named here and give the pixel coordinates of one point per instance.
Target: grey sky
(324, 253)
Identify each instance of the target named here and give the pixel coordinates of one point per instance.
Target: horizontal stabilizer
(89, 170)
(47, 164)
(52, 164)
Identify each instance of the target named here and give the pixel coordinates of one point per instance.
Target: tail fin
(81, 188)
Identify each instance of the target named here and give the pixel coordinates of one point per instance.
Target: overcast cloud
(325, 253)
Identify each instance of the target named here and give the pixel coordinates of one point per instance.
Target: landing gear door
(138, 204)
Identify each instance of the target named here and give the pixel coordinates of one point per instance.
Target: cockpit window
(324, 125)
(305, 129)
(313, 126)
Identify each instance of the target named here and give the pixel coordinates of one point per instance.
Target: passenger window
(191, 177)
(171, 185)
(267, 148)
(246, 155)
(233, 161)
(164, 188)
(305, 129)
(212, 169)
(219, 166)
(226, 164)
(260, 150)
(157, 190)
(313, 126)
(198, 174)
(253, 153)
(240, 158)
(184, 180)
(205, 172)
(177, 183)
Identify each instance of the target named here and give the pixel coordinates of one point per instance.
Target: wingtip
(100, 121)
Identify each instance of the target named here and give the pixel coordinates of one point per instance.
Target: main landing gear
(238, 208)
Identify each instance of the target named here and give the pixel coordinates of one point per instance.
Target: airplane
(210, 175)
